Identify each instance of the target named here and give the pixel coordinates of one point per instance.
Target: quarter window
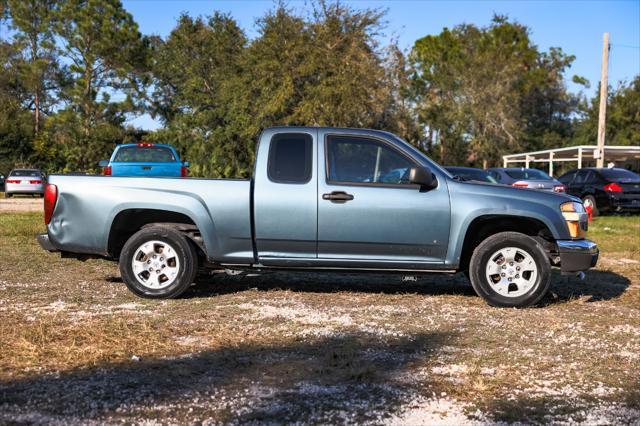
(353, 159)
(290, 158)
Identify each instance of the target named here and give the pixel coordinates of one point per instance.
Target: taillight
(613, 187)
(35, 182)
(50, 198)
(12, 181)
(184, 171)
(558, 188)
(520, 184)
(107, 171)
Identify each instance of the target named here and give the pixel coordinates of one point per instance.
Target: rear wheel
(158, 263)
(590, 200)
(510, 269)
(7, 195)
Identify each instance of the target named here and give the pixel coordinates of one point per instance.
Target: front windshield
(421, 155)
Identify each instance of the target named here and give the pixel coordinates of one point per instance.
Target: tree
(102, 42)
(482, 91)
(623, 117)
(197, 94)
(39, 72)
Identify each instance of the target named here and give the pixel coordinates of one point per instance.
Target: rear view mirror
(421, 176)
(103, 163)
(186, 163)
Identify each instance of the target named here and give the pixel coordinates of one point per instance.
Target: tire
(504, 253)
(166, 251)
(7, 195)
(590, 199)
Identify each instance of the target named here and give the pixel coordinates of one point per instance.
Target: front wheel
(158, 263)
(510, 269)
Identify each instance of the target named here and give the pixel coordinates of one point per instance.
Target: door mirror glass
(103, 163)
(421, 176)
(186, 163)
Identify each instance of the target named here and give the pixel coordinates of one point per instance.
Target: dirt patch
(23, 204)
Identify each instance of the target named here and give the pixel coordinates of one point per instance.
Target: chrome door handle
(337, 197)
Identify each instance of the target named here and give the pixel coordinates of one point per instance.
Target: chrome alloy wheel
(155, 264)
(511, 271)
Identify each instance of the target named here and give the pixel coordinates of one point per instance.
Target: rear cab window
(144, 154)
(290, 158)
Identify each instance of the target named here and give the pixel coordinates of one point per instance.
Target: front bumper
(577, 255)
(45, 243)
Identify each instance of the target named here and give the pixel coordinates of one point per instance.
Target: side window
(590, 178)
(580, 177)
(353, 159)
(496, 176)
(567, 178)
(290, 158)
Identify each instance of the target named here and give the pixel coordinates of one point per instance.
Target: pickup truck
(322, 199)
(144, 159)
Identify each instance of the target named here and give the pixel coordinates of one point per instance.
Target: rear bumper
(45, 243)
(577, 255)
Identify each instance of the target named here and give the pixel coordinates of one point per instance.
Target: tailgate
(146, 169)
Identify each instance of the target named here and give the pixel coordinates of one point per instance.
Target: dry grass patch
(78, 347)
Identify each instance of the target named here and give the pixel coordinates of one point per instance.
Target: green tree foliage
(39, 71)
(196, 78)
(105, 48)
(623, 117)
(484, 92)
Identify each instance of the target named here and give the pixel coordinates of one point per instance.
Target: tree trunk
(36, 102)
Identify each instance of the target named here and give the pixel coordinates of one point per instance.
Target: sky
(575, 26)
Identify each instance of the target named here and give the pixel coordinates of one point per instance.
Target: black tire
(482, 256)
(185, 253)
(591, 199)
(8, 195)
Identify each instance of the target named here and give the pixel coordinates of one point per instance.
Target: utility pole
(603, 100)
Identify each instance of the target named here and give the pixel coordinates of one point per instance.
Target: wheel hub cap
(511, 271)
(155, 264)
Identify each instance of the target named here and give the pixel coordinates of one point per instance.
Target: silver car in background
(521, 177)
(24, 181)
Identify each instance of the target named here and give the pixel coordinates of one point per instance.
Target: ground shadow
(597, 286)
(355, 377)
(312, 282)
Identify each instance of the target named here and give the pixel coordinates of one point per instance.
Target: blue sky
(575, 26)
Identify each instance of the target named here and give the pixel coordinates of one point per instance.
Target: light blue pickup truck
(322, 199)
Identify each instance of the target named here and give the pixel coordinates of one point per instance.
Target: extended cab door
(285, 204)
(368, 213)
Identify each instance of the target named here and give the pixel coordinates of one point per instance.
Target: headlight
(571, 212)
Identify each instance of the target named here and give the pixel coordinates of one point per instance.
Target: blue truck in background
(322, 199)
(145, 159)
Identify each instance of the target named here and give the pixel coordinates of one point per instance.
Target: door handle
(337, 197)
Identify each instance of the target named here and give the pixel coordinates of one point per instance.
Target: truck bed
(88, 206)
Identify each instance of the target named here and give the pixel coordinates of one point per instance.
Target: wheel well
(128, 222)
(485, 226)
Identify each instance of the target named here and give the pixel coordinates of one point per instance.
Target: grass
(78, 347)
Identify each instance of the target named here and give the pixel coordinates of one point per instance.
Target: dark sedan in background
(471, 174)
(526, 178)
(605, 190)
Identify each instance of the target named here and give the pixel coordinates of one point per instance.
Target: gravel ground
(77, 347)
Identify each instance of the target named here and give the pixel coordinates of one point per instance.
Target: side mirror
(421, 176)
(103, 163)
(186, 163)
